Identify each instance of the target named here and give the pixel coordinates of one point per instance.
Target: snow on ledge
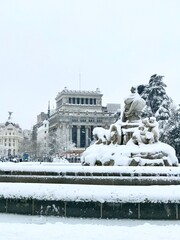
(51, 167)
(94, 193)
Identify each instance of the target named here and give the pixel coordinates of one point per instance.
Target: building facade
(42, 138)
(77, 114)
(11, 138)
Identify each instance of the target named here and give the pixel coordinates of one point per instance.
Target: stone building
(77, 113)
(41, 117)
(42, 138)
(11, 138)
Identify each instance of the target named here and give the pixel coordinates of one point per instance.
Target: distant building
(41, 117)
(11, 138)
(78, 113)
(113, 107)
(27, 134)
(42, 138)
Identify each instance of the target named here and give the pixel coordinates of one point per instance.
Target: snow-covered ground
(20, 227)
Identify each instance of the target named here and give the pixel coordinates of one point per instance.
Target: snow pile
(142, 148)
(91, 193)
(60, 160)
(122, 154)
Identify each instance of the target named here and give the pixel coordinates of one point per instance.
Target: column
(70, 133)
(78, 135)
(87, 136)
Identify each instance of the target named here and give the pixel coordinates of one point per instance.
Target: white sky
(45, 44)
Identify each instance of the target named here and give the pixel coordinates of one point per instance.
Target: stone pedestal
(128, 129)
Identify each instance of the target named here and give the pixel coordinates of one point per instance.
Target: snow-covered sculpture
(134, 105)
(141, 136)
(100, 135)
(146, 133)
(107, 136)
(152, 126)
(115, 134)
(141, 146)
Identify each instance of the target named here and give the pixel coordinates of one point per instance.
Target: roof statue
(10, 116)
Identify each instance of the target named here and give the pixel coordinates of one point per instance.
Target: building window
(74, 134)
(91, 120)
(78, 101)
(83, 120)
(91, 132)
(86, 100)
(69, 100)
(94, 101)
(9, 152)
(82, 137)
(99, 120)
(74, 100)
(91, 101)
(74, 119)
(82, 100)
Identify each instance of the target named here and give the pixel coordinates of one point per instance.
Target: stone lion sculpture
(113, 135)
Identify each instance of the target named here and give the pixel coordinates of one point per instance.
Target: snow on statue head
(134, 105)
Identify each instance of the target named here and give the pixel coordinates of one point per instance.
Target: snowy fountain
(126, 173)
(131, 141)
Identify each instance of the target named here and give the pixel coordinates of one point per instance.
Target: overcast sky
(46, 45)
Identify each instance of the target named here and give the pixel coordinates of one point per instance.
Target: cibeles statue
(134, 105)
(134, 142)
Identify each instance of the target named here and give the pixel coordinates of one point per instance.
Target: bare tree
(59, 143)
